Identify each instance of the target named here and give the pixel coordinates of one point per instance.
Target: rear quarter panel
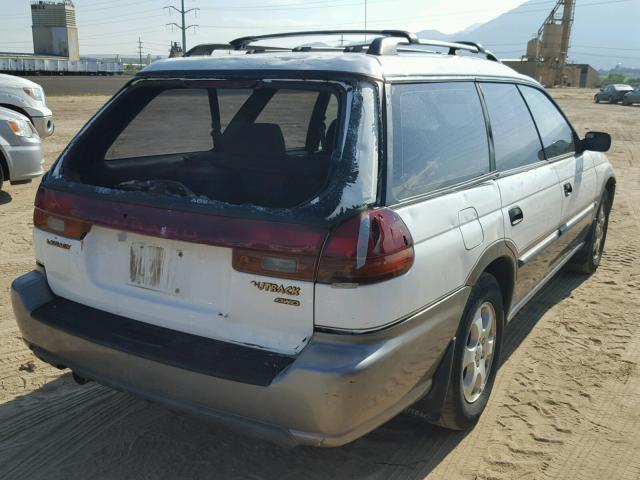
(441, 266)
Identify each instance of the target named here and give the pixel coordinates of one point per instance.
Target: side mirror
(596, 141)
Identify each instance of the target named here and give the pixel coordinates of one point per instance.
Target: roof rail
(205, 49)
(389, 46)
(387, 42)
(481, 49)
(242, 42)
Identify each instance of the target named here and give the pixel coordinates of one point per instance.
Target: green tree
(611, 78)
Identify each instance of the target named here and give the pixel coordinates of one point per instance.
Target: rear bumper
(337, 389)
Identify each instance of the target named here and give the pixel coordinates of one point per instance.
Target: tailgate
(185, 286)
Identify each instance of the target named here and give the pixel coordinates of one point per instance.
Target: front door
(530, 199)
(576, 172)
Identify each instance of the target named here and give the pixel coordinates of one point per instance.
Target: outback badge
(276, 288)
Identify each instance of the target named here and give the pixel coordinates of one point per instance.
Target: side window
(556, 134)
(515, 138)
(439, 137)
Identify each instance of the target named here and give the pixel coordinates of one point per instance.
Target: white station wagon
(306, 242)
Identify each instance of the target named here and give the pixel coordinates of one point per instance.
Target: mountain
(603, 34)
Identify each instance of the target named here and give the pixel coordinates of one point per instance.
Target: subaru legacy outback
(306, 242)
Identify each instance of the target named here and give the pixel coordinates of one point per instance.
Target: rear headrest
(254, 140)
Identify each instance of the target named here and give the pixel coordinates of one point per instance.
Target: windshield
(269, 144)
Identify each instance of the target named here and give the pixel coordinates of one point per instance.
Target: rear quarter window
(439, 137)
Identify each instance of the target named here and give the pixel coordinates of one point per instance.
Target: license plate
(151, 267)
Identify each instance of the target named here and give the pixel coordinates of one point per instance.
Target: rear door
(530, 198)
(576, 172)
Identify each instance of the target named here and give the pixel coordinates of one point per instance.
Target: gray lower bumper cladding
(337, 389)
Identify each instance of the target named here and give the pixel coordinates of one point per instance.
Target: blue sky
(113, 26)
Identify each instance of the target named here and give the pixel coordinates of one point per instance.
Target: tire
(464, 405)
(596, 99)
(1, 176)
(588, 259)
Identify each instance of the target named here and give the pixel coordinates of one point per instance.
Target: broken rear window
(281, 149)
(262, 145)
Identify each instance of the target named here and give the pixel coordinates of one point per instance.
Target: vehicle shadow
(65, 431)
(5, 197)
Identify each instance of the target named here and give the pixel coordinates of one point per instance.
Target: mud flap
(430, 407)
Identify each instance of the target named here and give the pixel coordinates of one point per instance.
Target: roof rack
(206, 49)
(387, 42)
(391, 46)
(242, 42)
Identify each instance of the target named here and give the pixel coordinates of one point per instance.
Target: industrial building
(54, 29)
(573, 74)
(55, 45)
(546, 57)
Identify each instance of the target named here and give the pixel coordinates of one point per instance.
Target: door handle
(568, 188)
(515, 215)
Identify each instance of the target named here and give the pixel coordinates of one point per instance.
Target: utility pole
(140, 50)
(365, 19)
(183, 26)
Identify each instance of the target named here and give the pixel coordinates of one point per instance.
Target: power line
(604, 55)
(182, 27)
(299, 6)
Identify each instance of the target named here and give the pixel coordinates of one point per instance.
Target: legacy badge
(56, 243)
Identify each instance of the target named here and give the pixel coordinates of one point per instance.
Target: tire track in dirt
(66, 433)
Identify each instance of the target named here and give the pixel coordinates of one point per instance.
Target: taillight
(54, 223)
(275, 264)
(373, 246)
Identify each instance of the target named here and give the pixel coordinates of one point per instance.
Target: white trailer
(18, 64)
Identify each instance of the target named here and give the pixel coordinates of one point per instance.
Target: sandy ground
(566, 403)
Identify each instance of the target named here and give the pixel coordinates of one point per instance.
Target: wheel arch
(610, 188)
(4, 166)
(498, 260)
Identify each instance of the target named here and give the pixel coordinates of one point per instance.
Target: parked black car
(613, 93)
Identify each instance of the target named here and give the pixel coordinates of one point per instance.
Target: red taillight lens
(54, 223)
(373, 246)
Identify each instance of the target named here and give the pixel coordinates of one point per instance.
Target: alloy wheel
(477, 359)
(598, 235)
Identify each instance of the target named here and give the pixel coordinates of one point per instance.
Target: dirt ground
(566, 403)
